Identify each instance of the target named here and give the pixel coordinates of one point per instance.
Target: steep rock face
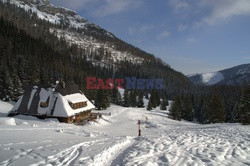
(56, 15)
(238, 75)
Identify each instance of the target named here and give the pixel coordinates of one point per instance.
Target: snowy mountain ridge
(238, 75)
(75, 30)
(210, 78)
(50, 13)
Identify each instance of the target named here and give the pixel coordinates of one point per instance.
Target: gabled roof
(58, 104)
(63, 109)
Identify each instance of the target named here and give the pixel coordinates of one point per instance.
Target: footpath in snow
(113, 141)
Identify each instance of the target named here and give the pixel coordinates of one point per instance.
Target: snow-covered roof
(76, 98)
(58, 105)
(63, 109)
(44, 94)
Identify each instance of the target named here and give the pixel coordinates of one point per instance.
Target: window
(44, 104)
(78, 105)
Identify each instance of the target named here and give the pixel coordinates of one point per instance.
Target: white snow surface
(76, 98)
(5, 107)
(113, 140)
(54, 19)
(212, 78)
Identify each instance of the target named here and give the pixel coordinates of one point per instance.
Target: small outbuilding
(64, 102)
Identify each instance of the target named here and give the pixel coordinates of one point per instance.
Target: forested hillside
(97, 59)
(32, 53)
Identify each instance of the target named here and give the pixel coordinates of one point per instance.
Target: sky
(192, 36)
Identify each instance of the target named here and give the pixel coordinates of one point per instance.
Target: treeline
(213, 109)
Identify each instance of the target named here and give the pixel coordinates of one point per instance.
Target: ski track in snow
(69, 155)
(186, 148)
(113, 141)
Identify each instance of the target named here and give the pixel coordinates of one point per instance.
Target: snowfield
(212, 78)
(113, 141)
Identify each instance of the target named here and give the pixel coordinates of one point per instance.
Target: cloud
(164, 34)
(131, 31)
(72, 4)
(182, 28)
(115, 6)
(179, 5)
(186, 60)
(99, 8)
(146, 28)
(191, 39)
(140, 30)
(223, 10)
(246, 58)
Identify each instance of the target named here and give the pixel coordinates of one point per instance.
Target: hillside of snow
(238, 75)
(113, 140)
(212, 78)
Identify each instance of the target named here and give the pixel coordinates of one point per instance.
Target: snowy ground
(113, 141)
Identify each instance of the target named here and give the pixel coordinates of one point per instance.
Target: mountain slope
(66, 24)
(238, 75)
(73, 49)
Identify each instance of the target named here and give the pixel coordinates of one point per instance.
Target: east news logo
(131, 83)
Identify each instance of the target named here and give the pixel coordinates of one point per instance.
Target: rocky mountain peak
(37, 2)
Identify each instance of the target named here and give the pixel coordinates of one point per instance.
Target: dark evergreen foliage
(187, 111)
(175, 111)
(164, 104)
(102, 100)
(149, 107)
(139, 100)
(244, 107)
(216, 110)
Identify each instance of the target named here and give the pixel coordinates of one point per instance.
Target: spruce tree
(149, 107)
(164, 104)
(205, 112)
(154, 99)
(187, 112)
(140, 102)
(176, 108)
(132, 98)
(126, 98)
(18, 89)
(102, 99)
(115, 96)
(151, 101)
(244, 108)
(216, 110)
(236, 112)
(157, 99)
